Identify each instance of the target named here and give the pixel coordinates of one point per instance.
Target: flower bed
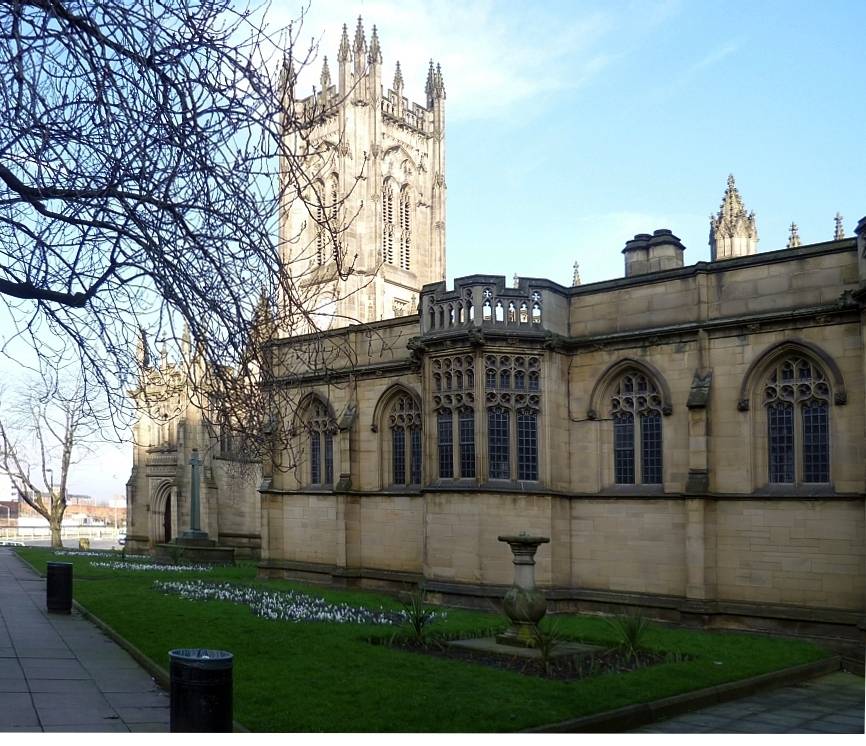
(286, 605)
(151, 567)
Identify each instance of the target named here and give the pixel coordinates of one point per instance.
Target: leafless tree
(143, 161)
(47, 428)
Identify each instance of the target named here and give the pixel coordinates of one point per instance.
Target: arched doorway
(166, 520)
(162, 518)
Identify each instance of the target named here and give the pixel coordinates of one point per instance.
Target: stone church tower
(732, 231)
(373, 167)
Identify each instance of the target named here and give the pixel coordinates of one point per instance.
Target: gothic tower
(373, 174)
(733, 231)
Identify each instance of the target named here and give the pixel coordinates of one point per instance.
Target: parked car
(121, 539)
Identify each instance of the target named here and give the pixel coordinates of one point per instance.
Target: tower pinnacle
(839, 233)
(428, 87)
(575, 278)
(398, 78)
(733, 231)
(360, 45)
(375, 55)
(326, 75)
(794, 237)
(343, 52)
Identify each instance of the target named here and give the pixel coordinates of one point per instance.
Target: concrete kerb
(636, 716)
(160, 675)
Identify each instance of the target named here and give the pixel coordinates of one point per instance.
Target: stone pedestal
(524, 604)
(196, 551)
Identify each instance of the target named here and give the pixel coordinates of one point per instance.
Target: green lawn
(328, 677)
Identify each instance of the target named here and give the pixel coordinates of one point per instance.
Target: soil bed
(561, 668)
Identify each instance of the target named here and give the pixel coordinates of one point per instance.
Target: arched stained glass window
(797, 401)
(636, 409)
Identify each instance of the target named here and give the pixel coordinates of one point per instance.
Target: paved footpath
(60, 672)
(828, 704)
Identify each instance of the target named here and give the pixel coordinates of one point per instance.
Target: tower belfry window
(405, 228)
(387, 222)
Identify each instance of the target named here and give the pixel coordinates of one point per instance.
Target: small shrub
(417, 616)
(630, 630)
(547, 639)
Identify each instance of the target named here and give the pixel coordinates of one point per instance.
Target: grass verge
(315, 676)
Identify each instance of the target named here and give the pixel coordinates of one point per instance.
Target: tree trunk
(54, 524)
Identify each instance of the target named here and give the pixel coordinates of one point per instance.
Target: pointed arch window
(406, 227)
(321, 428)
(797, 400)
(636, 409)
(388, 222)
(404, 421)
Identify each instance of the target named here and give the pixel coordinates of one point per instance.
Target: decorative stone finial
(375, 55)
(343, 53)
(515, 281)
(398, 78)
(733, 231)
(839, 234)
(575, 278)
(794, 237)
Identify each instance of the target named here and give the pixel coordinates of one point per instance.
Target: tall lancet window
(405, 227)
(405, 423)
(797, 398)
(387, 222)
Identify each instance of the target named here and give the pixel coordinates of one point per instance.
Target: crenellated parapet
(484, 302)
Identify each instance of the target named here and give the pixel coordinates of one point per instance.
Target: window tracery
(636, 408)
(404, 422)
(795, 385)
(512, 416)
(321, 428)
(454, 403)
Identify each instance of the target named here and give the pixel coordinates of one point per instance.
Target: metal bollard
(201, 691)
(58, 588)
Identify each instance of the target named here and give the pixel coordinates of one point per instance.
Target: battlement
(359, 80)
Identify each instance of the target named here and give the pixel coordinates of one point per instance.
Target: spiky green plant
(548, 637)
(417, 615)
(630, 629)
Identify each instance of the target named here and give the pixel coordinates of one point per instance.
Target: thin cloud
(494, 56)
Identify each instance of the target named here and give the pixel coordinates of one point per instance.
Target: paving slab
(60, 673)
(833, 703)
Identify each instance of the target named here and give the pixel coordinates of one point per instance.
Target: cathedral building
(690, 437)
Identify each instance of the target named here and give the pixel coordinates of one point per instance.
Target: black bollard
(58, 588)
(201, 691)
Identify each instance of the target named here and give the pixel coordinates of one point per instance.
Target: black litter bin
(201, 690)
(58, 588)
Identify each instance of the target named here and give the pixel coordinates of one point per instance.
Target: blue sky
(571, 126)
